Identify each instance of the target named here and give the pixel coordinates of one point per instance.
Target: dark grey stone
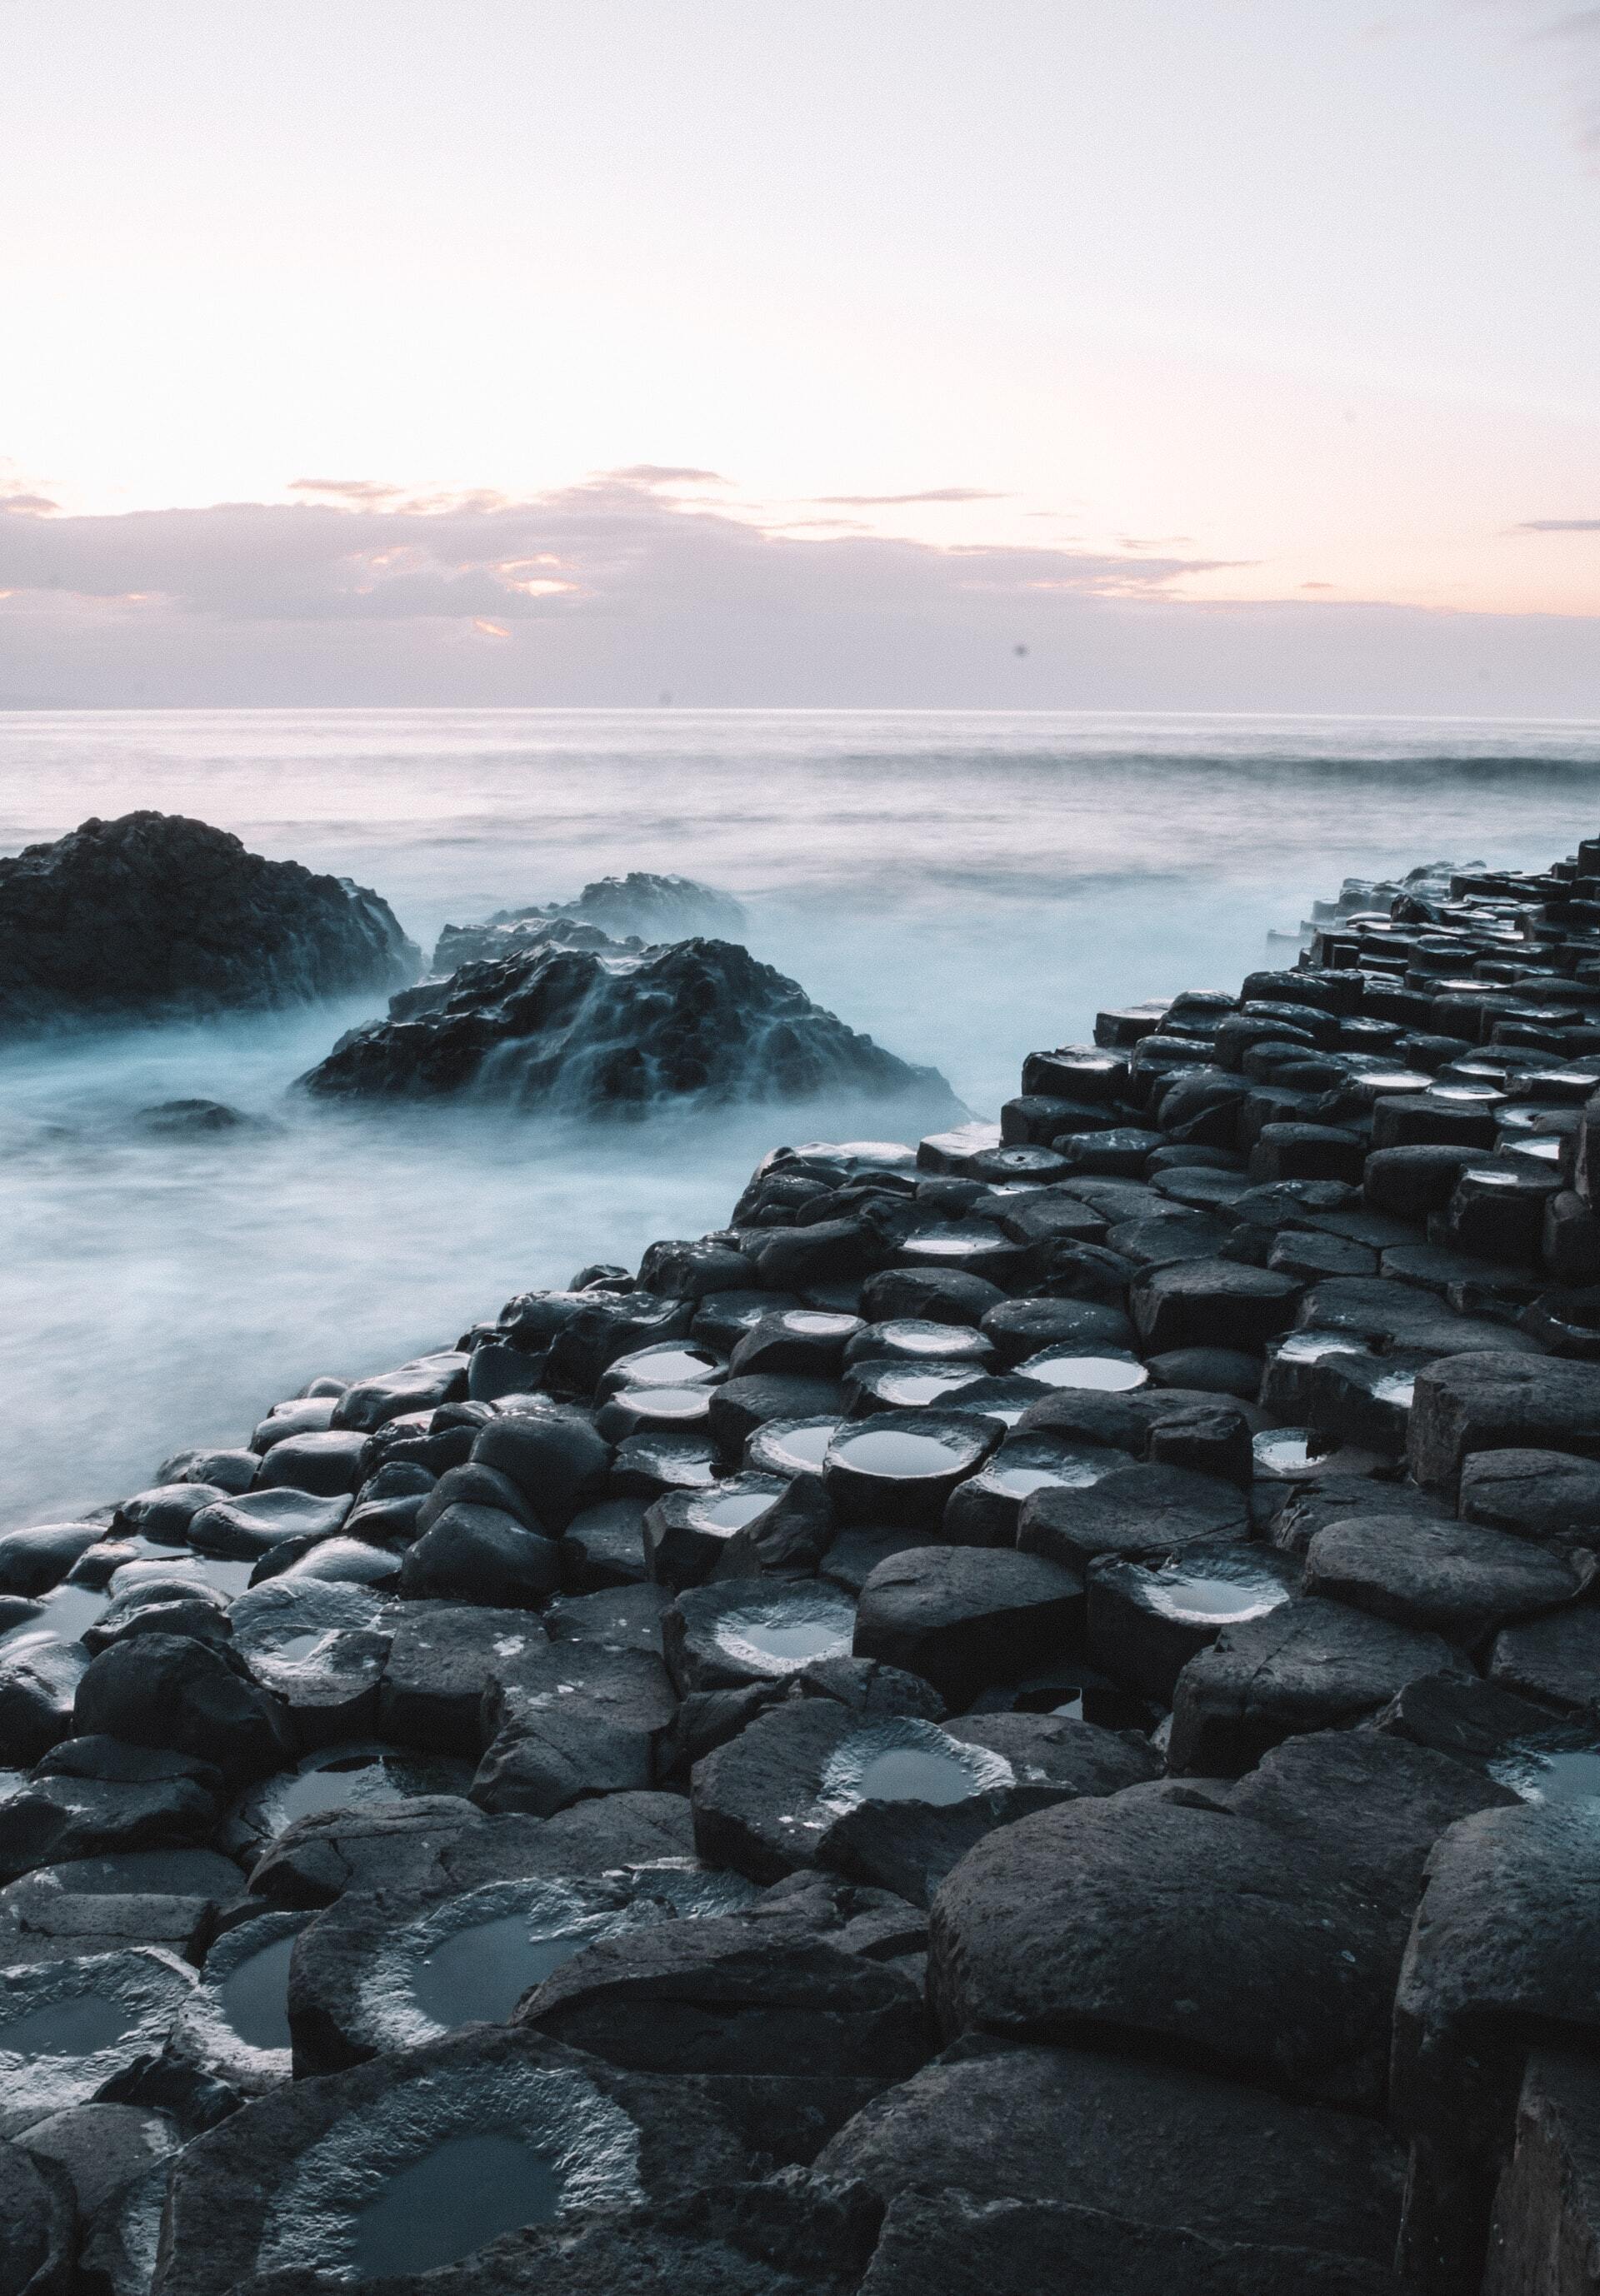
(1309, 1665)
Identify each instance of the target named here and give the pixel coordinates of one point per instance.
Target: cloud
(40, 504)
(610, 546)
(927, 495)
(362, 491)
(608, 592)
(1558, 526)
(666, 474)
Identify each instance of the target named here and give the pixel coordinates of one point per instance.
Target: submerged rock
(654, 908)
(154, 915)
(580, 1031)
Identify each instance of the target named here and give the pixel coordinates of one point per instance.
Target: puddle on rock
(798, 1446)
(1200, 1601)
(891, 1451)
(791, 1646)
(913, 1773)
(908, 1391)
(76, 2027)
(1105, 1374)
(254, 1999)
(1290, 1451)
(296, 1647)
(1556, 1775)
(466, 2192)
(479, 1975)
(901, 1759)
(733, 1512)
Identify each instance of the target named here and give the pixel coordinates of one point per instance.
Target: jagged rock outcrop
(639, 906)
(580, 1031)
(156, 917)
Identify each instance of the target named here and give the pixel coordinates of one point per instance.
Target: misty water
(963, 888)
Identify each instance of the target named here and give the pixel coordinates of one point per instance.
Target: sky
(1234, 354)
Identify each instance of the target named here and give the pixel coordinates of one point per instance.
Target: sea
(962, 886)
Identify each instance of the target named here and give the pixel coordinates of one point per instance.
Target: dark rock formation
(639, 906)
(579, 1030)
(155, 916)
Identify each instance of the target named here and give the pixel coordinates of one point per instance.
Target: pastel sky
(1222, 352)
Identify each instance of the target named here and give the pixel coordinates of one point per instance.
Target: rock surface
(582, 1030)
(155, 916)
(641, 907)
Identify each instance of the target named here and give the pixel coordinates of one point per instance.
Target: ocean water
(962, 886)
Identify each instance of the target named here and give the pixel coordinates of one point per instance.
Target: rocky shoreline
(1026, 1715)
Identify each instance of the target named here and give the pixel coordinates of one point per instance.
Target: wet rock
(647, 906)
(963, 1618)
(939, 1295)
(908, 1846)
(171, 1690)
(421, 2157)
(154, 915)
(1501, 1960)
(319, 1648)
(257, 1522)
(169, 1897)
(1136, 1513)
(365, 1777)
(329, 1465)
(1498, 1402)
(1211, 1303)
(114, 2158)
(388, 1970)
(551, 1454)
(163, 1515)
(34, 1560)
(1368, 1802)
(1518, 1743)
(901, 1466)
(742, 1406)
(1308, 1665)
(1450, 1578)
(786, 1540)
(231, 1471)
(234, 2025)
(1267, 1963)
(763, 1801)
(741, 1631)
(736, 1995)
(1145, 1622)
(39, 1684)
(1013, 2248)
(604, 1546)
(1555, 1660)
(481, 1554)
(1545, 2228)
(37, 2225)
(985, 1509)
(69, 1816)
(1308, 1507)
(619, 1618)
(68, 2027)
(440, 1660)
(789, 2237)
(583, 1030)
(576, 1718)
(317, 1857)
(1548, 1495)
(1164, 2147)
